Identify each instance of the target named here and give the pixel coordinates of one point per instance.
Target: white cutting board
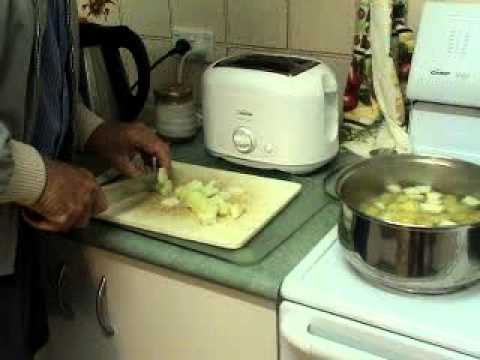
(133, 205)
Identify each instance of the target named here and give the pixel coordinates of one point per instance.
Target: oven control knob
(243, 140)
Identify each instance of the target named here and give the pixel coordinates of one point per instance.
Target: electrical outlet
(202, 41)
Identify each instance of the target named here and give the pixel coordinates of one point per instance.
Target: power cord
(181, 47)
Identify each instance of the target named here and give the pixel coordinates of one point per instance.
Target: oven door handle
(296, 330)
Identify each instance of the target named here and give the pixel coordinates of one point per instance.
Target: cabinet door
(74, 330)
(160, 314)
(156, 314)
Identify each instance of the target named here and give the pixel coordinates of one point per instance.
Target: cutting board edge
(293, 187)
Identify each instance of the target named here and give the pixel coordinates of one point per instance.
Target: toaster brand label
(439, 72)
(244, 113)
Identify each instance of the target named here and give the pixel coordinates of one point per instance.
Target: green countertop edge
(262, 279)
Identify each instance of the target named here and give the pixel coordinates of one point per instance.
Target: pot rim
(448, 161)
(396, 225)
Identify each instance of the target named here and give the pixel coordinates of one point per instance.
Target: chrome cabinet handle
(102, 315)
(65, 308)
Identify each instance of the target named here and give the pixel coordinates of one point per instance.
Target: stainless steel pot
(409, 258)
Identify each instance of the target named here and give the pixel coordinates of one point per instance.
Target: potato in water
(422, 206)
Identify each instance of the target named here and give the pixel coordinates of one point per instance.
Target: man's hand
(70, 198)
(121, 142)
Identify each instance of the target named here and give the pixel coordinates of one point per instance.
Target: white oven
(329, 312)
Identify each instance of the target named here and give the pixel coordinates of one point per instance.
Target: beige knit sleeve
(86, 122)
(29, 175)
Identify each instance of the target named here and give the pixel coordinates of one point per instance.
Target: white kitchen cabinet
(155, 313)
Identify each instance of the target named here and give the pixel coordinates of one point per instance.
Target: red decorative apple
(404, 71)
(350, 101)
(353, 81)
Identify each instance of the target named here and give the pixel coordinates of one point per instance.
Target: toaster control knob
(268, 148)
(243, 140)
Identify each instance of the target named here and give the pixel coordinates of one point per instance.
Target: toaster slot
(284, 65)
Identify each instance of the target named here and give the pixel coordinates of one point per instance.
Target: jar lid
(174, 92)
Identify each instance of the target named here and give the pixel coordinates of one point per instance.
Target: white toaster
(271, 111)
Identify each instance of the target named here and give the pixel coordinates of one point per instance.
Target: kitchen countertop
(263, 278)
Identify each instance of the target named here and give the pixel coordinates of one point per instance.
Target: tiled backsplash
(319, 28)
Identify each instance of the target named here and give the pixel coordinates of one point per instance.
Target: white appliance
(329, 312)
(271, 111)
(444, 82)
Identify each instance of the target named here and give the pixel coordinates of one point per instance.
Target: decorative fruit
(404, 71)
(353, 80)
(350, 101)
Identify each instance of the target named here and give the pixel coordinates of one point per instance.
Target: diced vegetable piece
(162, 176)
(205, 210)
(432, 208)
(164, 184)
(447, 223)
(235, 191)
(434, 196)
(379, 205)
(236, 210)
(170, 202)
(223, 207)
(225, 195)
(394, 188)
(210, 189)
(207, 201)
(415, 190)
(409, 206)
(420, 205)
(471, 201)
(418, 197)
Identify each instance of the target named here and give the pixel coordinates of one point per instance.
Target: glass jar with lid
(175, 112)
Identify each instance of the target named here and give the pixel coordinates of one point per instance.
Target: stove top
(325, 281)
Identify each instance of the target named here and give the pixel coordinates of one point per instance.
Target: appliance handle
(330, 106)
(102, 315)
(295, 330)
(111, 39)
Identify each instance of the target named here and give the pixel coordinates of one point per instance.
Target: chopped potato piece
(170, 202)
(394, 188)
(235, 191)
(421, 205)
(164, 184)
(470, 201)
(432, 208)
(237, 210)
(416, 190)
(206, 201)
(379, 205)
(447, 223)
(434, 196)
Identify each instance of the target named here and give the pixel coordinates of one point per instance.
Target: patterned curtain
(374, 99)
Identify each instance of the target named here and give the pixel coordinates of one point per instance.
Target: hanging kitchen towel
(374, 100)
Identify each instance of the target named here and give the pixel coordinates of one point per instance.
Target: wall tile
(322, 25)
(147, 17)
(258, 22)
(208, 14)
(414, 13)
(112, 18)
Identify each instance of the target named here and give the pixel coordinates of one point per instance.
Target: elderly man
(41, 118)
